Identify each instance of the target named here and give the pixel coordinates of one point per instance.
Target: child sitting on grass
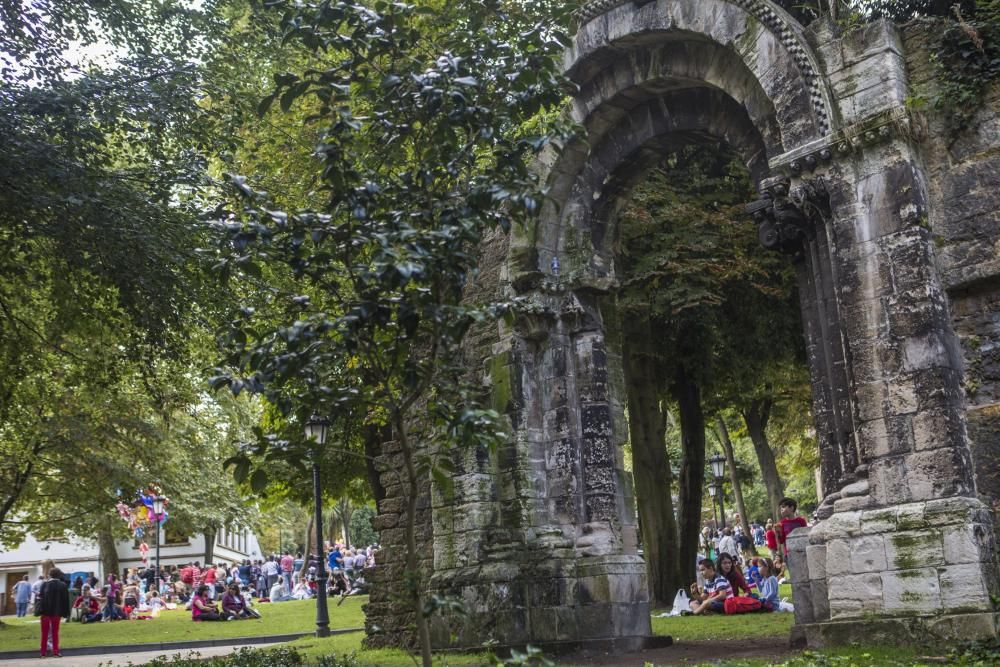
(713, 596)
(767, 585)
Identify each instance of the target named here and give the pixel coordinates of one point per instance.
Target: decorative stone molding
(786, 219)
(873, 130)
(777, 21)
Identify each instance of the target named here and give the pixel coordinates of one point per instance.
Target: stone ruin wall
(920, 562)
(905, 550)
(964, 196)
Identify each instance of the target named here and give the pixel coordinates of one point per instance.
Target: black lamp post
(158, 503)
(718, 463)
(713, 490)
(316, 429)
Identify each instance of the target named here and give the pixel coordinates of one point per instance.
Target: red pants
(50, 624)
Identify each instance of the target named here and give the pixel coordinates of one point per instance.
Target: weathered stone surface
(907, 550)
(971, 543)
(854, 594)
(964, 588)
(911, 591)
(868, 554)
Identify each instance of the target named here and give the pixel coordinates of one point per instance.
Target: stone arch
(539, 539)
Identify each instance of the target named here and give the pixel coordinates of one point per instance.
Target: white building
(78, 557)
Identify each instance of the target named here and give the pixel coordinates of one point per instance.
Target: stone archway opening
(703, 324)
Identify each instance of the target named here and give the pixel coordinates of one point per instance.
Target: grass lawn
(173, 626)
(718, 627)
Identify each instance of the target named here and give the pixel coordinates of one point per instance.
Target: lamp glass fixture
(718, 463)
(712, 489)
(316, 429)
(158, 502)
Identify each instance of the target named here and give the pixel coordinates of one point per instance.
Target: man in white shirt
(727, 545)
(270, 571)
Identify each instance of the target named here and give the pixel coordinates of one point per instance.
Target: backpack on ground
(741, 605)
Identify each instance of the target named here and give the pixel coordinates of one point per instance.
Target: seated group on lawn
(724, 586)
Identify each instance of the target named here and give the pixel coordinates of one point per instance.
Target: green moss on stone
(500, 396)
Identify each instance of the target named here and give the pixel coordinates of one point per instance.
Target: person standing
(270, 571)
(22, 595)
(787, 523)
(55, 607)
(727, 545)
(287, 564)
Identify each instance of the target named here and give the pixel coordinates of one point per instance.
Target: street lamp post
(718, 463)
(158, 503)
(713, 489)
(316, 429)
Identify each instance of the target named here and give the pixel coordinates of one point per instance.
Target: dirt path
(693, 653)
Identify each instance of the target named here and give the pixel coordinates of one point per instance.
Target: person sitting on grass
(713, 596)
(112, 610)
(278, 591)
(234, 606)
(89, 604)
(768, 584)
(203, 609)
(301, 591)
(731, 571)
(779, 568)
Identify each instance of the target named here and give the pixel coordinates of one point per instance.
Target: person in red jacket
(770, 538)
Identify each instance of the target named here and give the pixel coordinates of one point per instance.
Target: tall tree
(651, 465)
(722, 433)
(421, 155)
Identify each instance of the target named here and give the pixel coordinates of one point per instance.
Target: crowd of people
(730, 568)
(216, 592)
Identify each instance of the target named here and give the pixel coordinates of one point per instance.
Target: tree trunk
(346, 514)
(310, 540)
(727, 447)
(692, 477)
(332, 524)
(107, 548)
(413, 575)
(652, 475)
(210, 532)
(756, 417)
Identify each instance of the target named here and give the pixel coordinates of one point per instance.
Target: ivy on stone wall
(967, 57)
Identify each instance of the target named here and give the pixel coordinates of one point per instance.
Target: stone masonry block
(839, 525)
(909, 550)
(868, 554)
(816, 560)
(964, 588)
(878, 521)
(838, 558)
(955, 510)
(889, 483)
(864, 589)
(939, 473)
(912, 591)
(820, 600)
(972, 543)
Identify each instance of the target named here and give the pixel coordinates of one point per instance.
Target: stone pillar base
(914, 631)
(915, 572)
(563, 604)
